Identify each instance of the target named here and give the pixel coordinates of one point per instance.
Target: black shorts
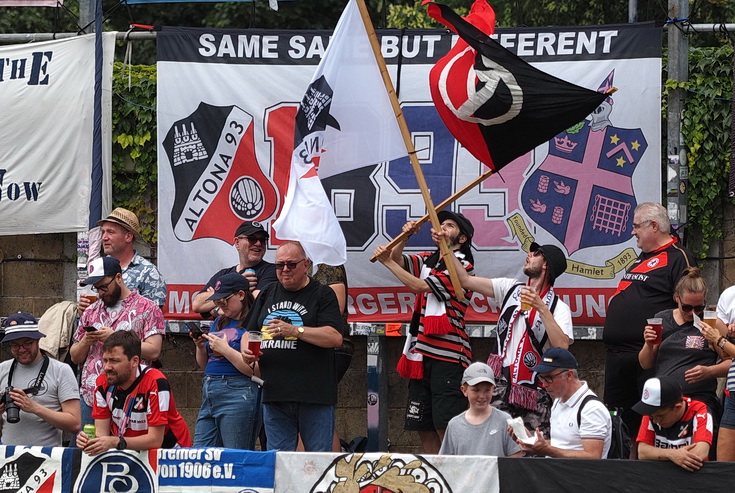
(437, 398)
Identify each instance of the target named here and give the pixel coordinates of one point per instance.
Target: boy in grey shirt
(482, 429)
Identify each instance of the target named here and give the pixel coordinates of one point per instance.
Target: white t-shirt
(562, 315)
(595, 422)
(59, 385)
(726, 313)
(726, 305)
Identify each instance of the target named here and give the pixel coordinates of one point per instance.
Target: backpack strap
(586, 399)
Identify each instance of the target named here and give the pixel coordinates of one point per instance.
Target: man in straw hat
(120, 230)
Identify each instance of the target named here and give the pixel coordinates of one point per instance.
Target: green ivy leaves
(706, 129)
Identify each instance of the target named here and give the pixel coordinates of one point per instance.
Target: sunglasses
(222, 302)
(550, 378)
(696, 308)
(254, 239)
(290, 265)
(538, 252)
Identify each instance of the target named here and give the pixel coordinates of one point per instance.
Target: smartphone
(194, 330)
(89, 328)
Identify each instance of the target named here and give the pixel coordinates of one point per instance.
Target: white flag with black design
(345, 121)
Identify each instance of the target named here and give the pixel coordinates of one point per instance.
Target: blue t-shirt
(219, 365)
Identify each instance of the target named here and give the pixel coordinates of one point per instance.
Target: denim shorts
(728, 415)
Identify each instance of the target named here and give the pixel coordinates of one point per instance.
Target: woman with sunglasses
(684, 353)
(230, 412)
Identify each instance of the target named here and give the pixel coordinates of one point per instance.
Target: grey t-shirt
(59, 385)
(488, 438)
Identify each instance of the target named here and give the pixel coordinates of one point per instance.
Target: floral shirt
(135, 313)
(143, 276)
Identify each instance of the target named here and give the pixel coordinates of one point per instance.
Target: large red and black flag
(495, 104)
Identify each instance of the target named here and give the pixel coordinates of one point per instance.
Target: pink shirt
(135, 313)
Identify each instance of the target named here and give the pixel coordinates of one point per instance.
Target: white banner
(46, 127)
(374, 472)
(577, 191)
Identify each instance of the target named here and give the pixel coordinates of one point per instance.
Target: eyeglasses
(641, 225)
(254, 239)
(550, 378)
(14, 346)
(222, 302)
(103, 288)
(696, 308)
(538, 252)
(290, 265)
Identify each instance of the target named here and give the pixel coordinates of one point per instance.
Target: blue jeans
(230, 413)
(284, 421)
(86, 413)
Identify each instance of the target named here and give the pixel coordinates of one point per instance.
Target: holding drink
(657, 325)
(710, 318)
(526, 307)
(255, 337)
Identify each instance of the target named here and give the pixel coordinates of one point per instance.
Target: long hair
(247, 304)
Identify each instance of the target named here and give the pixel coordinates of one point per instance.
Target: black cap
(657, 393)
(229, 284)
(248, 228)
(555, 259)
(465, 226)
(556, 357)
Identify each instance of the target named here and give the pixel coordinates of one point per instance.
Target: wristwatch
(122, 444)
(299, 332)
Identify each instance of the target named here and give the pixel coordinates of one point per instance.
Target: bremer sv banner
(227, 103)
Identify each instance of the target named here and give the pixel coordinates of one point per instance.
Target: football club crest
(582, 193)
(217, 178)
(389, 473)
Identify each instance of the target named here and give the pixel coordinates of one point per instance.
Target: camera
(11, 408)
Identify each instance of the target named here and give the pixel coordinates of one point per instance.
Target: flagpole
(441, 206)
(432, 214)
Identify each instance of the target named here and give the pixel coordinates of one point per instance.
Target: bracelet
(721, 342)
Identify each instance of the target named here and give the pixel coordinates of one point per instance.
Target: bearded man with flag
(437, 348)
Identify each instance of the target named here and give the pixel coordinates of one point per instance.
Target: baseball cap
(465, 226)
(20, 325)
(229, 284)
(477, 373)
(556, 357)
(125, 218)
(248, 228)
(657, 393)
(100, 268)
(555, 259)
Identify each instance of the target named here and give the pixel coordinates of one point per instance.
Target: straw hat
(124, 218)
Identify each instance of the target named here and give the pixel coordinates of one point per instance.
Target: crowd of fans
(285, 323)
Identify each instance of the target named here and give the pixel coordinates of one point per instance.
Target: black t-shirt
(265, 271)
(646, 289)
(683, 348)
(295, 370)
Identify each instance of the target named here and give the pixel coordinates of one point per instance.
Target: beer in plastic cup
(525, 306)
(255, 337)
(710, 318)
(657, 324)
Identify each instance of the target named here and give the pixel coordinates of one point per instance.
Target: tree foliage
(706, 129)
(134, 158)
